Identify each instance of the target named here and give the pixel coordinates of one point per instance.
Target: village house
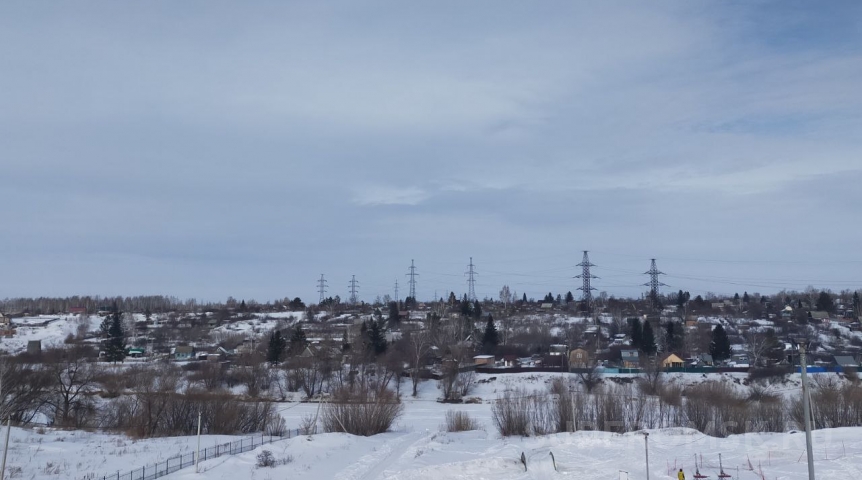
(671, 360)
(483, 360)
(183, 352)
(579, 358)
(630, 358)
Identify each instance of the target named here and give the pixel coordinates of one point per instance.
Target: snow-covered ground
(419, 449)
(52, 330)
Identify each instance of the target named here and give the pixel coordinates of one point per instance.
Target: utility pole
(646, 449)
(471, 281)
(806, 406)
(321, 288)
(354, 287)
(654, 284)
(198, 451)
(586, 288)
(412, 274)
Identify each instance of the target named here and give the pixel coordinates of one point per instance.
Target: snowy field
(418, 449)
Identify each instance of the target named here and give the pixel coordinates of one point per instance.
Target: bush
(521, 413)
(364, 411)
(460, 422)
(308, 425)
(265, 459)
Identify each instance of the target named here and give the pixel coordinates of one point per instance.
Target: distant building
(671, 360)
(579, 358)
(483, 360)
(183, 352)
(630, 358)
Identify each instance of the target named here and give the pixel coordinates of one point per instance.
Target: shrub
(308, 425)
(521, 413)
(460, 422)
(363, 411)
(265, 459)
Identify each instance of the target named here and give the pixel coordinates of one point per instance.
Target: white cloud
(387, 195)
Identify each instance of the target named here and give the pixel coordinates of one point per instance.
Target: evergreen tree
(298, 341)
(745, 298)
(673, 337)
(825, 302)
(736, 298)
(409, 303)
(719, 347)
(393, 313)
(636, 332)
(376, 342)
(276, 347)
(648, 339)
(115, 338)
(682, 299)
(569, 297)
(525, 298)
(476, 310)
(856, 304)
(491, 338)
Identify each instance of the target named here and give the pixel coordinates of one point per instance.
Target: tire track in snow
(372, 466)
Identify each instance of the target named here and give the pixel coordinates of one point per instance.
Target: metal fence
(171, 465)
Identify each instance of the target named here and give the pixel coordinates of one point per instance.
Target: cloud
(383, 195)
(329, 137)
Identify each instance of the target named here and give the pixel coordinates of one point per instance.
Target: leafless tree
(419, 345)
(591, 378)
(26, 389)
(73, 381)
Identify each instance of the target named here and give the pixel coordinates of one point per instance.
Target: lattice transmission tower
(654, 285)
(396, 290)
(354, 288)
(412, 274)
(321, 288)
(471, 280)
(586, 277)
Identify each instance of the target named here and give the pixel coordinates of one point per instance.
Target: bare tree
(73, 381)
(419, 345)
(651, 377)
(25, 390)
(591, 378)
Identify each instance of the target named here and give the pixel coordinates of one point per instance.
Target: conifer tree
(648, 339)
(636, 332)
(298, 341)
(277, 345)
(376, 342)
(491, 338)
(115, 338)
(719, 347)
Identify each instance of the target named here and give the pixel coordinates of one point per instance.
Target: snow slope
(418, 449)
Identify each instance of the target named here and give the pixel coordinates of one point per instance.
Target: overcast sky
(207, 149)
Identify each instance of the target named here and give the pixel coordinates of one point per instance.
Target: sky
(213, 149)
